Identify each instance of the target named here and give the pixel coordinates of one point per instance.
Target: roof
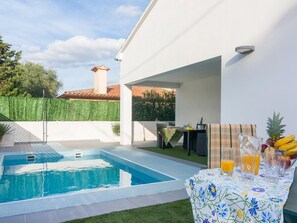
(136, 28)
(101, 67)
(113, 93)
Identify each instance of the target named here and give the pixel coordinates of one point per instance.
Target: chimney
(100, 79)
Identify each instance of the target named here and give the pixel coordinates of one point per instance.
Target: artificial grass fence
(178, 152)
(151, 107)
(33, 109)
(178, 211)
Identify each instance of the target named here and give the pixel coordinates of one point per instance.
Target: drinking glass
(274, 164)
(227, 161)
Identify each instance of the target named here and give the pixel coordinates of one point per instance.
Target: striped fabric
(225, 135)
(171, 135)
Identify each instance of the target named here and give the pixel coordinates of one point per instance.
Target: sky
(70, 36)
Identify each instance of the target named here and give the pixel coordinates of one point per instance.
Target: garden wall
(75, 130)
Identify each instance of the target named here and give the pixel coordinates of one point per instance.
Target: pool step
(53, 157)
(46, 152)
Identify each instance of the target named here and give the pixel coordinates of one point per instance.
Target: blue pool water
(47, 176)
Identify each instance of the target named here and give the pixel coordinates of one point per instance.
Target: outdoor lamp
(245, 49)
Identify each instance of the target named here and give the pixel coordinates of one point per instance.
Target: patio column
(126, 115)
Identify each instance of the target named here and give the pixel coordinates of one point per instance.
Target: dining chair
(160, 141)
(225, 135)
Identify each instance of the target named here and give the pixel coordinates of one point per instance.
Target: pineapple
(274, 129)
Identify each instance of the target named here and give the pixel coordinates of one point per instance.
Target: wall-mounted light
(244, 49)
(119, 57)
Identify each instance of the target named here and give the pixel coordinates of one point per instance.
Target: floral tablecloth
(215, 198)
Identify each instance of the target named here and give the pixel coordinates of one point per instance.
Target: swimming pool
(33, 176)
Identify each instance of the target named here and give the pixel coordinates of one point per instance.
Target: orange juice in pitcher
(257, 164)
(248, 163)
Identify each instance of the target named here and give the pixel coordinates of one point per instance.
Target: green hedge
(31, 109)
(154, 106)
(150, 108)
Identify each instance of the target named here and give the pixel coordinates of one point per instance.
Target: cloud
(76, 51)
(128, 10)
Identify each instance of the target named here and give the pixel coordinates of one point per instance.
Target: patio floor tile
(143, 201)
(13, 219)
(170, 196)
(44, 216)
(71, 213)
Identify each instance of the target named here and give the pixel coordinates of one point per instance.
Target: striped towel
(171, 135)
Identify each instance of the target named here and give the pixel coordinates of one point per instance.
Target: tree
(10, 71)
(37, 78)
(154, 106)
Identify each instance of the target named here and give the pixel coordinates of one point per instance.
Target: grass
(178, 211)
(178, 152)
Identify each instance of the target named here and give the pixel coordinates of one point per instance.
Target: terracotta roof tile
(113, 93)
(139, 90)
(101, 67)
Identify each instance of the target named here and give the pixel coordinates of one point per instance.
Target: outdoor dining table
(217, 198)
(191, 136)
(172, 134)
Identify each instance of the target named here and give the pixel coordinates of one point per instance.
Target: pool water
(42, 177)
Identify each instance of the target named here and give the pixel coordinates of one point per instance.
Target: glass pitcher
(250, 148)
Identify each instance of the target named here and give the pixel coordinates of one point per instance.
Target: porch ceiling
(175, 78)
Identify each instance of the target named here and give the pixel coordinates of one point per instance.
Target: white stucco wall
(264, 81)
(200, 98)
(126, 136)
(178, 33)
(171, 37)
(62, 131)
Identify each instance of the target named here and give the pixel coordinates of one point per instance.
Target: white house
(190, 46)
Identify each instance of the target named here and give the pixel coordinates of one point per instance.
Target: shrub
(4, 129)
(116, 128)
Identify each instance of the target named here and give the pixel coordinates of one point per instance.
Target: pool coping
(85, 211)
(59, 202)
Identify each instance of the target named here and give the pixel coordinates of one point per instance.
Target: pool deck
(79, 205)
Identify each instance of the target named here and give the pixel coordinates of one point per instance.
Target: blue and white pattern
(217, 199)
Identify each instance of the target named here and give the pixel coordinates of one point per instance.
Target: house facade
(104, 92)
(190, 46)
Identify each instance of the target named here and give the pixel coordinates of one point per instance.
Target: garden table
(172, 134)
(217, 198)
(190, 139)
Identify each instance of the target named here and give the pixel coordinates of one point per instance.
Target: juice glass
(227, 161)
